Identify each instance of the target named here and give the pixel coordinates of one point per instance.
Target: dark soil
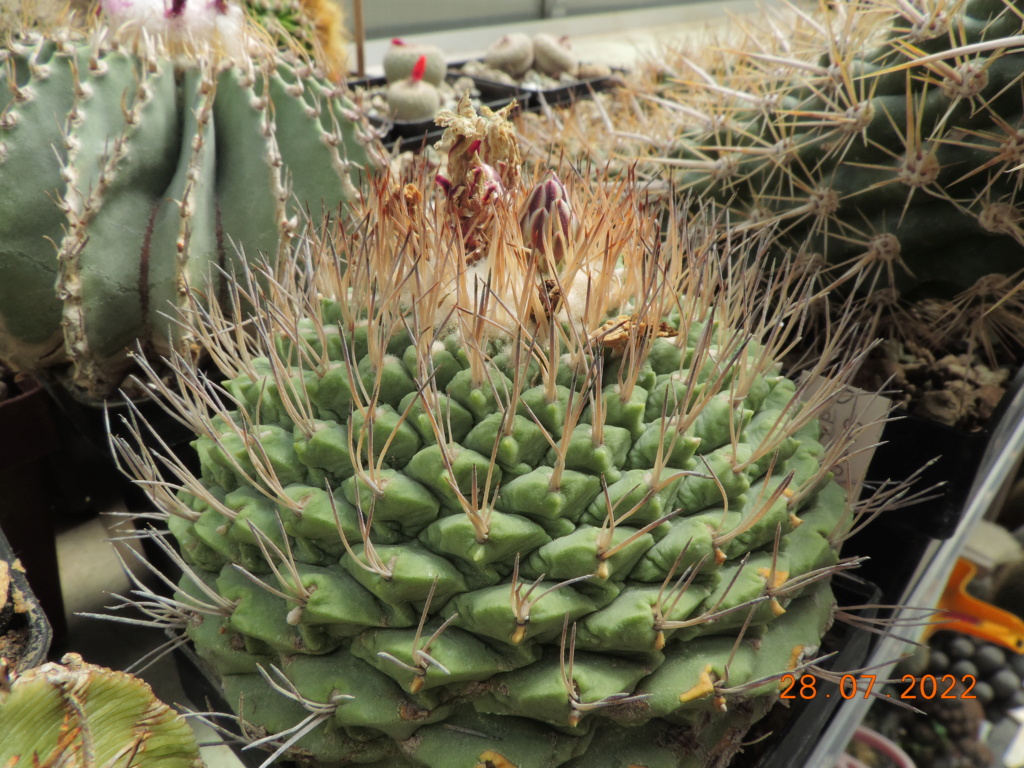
(960, 391)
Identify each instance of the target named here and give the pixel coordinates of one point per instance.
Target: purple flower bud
(548, 221)
(486, 184)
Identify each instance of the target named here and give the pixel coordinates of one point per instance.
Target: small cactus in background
(512, 54)
(137, 160)
(413, 98)
(521, 485)
(401, 59)
(554, 56)
(77, 715)
(885, 142)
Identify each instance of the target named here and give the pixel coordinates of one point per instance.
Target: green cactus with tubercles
(519, 486)
(138, 158)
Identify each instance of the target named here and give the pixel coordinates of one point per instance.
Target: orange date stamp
(850, 686)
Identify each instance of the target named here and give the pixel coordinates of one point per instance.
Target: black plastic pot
(911, 441)
(25, 633)
(537, 97)
(204, 691)
(807, 718)
(28, 437)
(896, 542)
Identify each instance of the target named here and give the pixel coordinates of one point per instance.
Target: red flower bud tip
(419, 69)
(397, 41)
(444, 184)
(177, 8)
(474, 147)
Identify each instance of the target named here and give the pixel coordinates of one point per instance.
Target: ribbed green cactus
(521, 486)
(136, 163)
(78, 715)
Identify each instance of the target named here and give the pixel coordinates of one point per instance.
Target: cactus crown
(77, 714)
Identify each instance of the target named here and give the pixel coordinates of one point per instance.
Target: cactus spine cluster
(884, 139)
(78, 715)
(137, 160)
(498, 478)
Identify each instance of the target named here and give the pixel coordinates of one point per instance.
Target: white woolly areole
(201, 23)
(466, 290)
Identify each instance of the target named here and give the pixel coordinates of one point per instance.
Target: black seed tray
(536, 97)
(416, 134)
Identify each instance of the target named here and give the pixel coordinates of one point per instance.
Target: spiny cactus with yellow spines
(882, 138)
(501, 474)
(315, 27)
(139, 157)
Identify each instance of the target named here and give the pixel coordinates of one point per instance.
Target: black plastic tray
(538, 97)
(40, 634)
(910, 441)
(415, 134)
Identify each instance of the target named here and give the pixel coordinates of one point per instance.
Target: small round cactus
(401, 58)
(512, 54)
(554, 56)
(78, 714)
(414, 98)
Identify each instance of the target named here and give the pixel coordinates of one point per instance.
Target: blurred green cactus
(885, 139)
(78, 715)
